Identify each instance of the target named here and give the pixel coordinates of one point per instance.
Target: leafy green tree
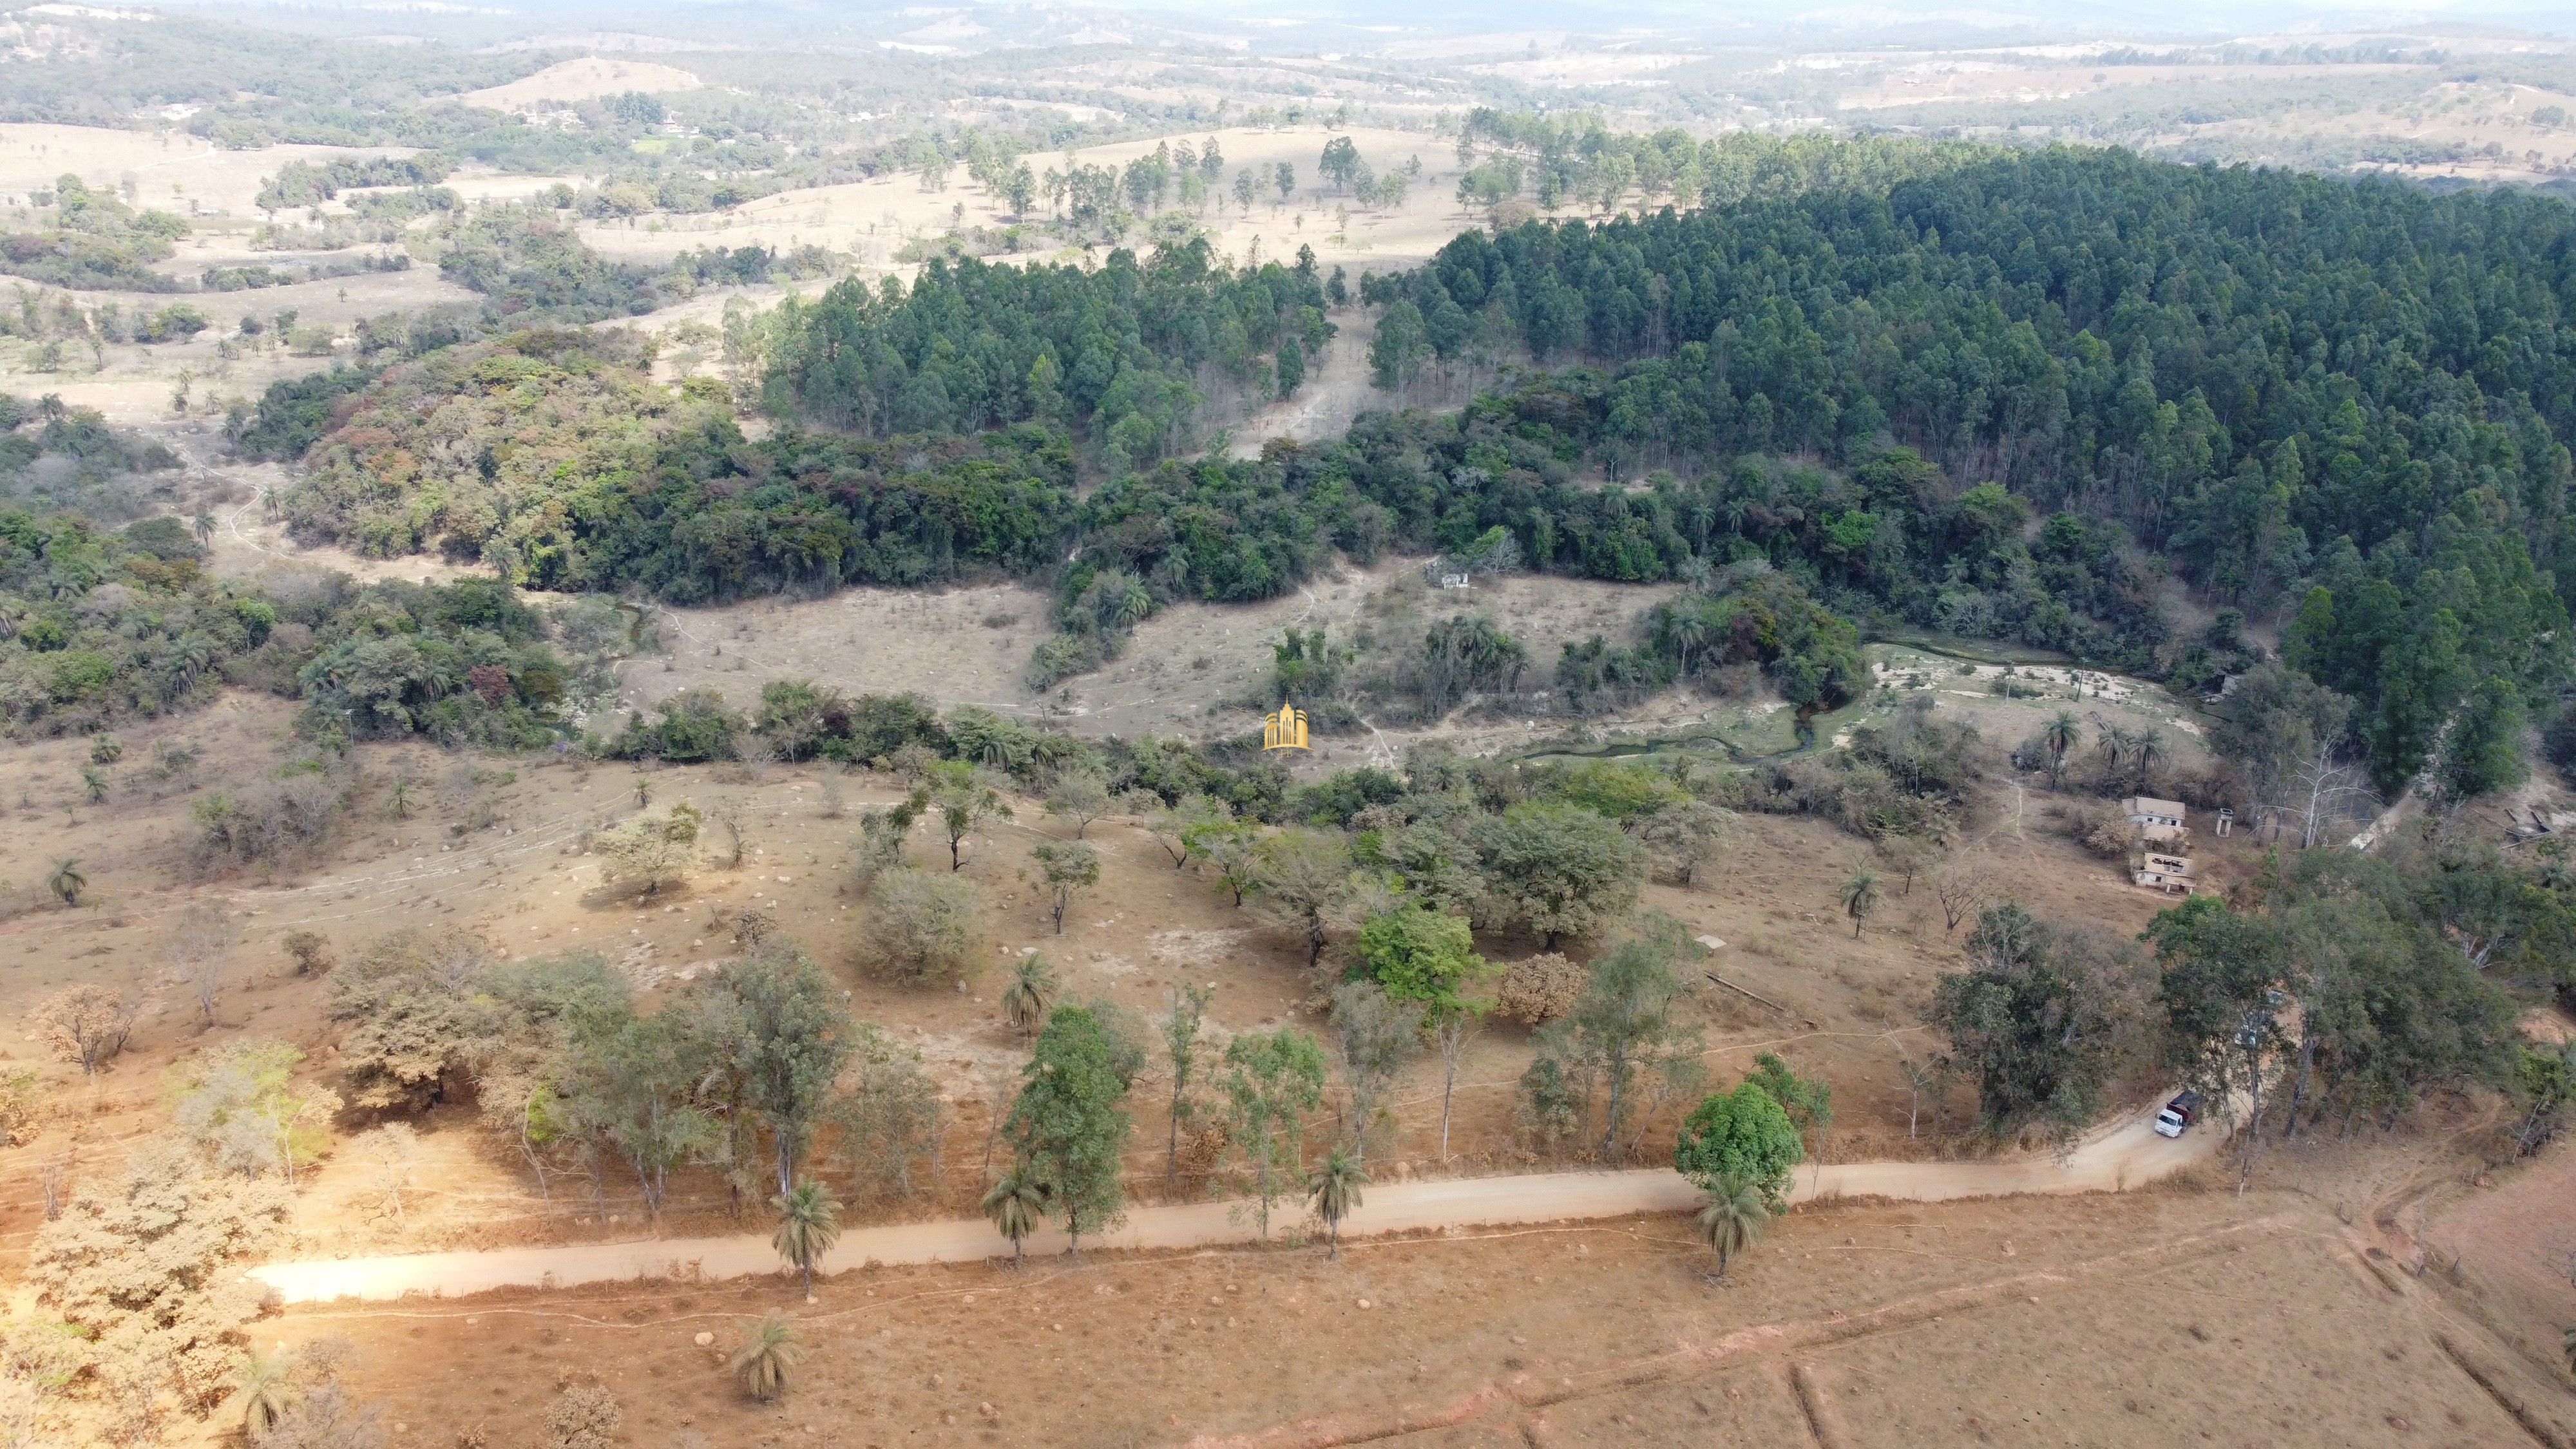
(2039, 1017)
(1067, 1127)
(796, 1036)
(1334, 1189)
(1559, 869)
(768, 1351)
(1016, 1204)
(1068, 866)
(1181, 1050)
(961, 801)
(1732, 1222)
(1233, 848)
(1033, 989)
(1809, 1101)
(809, 1222)
(1421, 955)
(1624, 1033)
(1272, 1080)
(1743, 1137)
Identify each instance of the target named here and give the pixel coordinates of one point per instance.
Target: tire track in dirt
(1524, 1393)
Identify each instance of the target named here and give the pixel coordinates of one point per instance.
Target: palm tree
(205, 526)
(810, 1222)
(2057, 737)
(2146, 747)
(94, 781)
(768, 1351)
(2114, 742)
(67, 880)
(2567, 1340)
(1859, 896)
(1032, 990)
(260, 1387)
(1016, 1204)
(1335, 1189)
(1734, 1218)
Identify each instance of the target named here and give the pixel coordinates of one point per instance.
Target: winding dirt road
(2127, 1156)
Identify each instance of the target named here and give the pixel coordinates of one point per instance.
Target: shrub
(922, 925)
(1540, 988)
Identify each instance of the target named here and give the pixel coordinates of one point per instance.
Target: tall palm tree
(67, 880)
(1859, 896)
(2059, 735)
(2146, 747)
(1335, 1190)
(1032, 990)
(768, 1351)
(809, 1223)
(2114, 742)
(205, 526)
(262, 1390)
(1734, 1218)
(1016, 1204)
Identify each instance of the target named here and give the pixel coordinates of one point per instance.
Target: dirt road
(2129, 1155)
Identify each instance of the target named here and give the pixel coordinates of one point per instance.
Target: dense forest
(1998, 395)
(1123, 353)
(2279, 383)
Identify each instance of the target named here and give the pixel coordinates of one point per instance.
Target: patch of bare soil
(2148, 1319)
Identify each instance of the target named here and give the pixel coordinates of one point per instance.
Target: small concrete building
(2168, 873)
(2158, 821)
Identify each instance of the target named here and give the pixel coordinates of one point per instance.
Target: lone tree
(1070, 866)
(1033, 989)
(768, 1351)
(1859, 896)
(1078, 795)
(650, 850)
(1741, 1136)
(1733, 1219)
(66, 881)
(1016, 1204)
(84, 1024)
(1067, 1127)
(809, 1222)
(962, 802)
(1334, 1188)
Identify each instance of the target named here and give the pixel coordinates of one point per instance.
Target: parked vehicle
(2178, 1115)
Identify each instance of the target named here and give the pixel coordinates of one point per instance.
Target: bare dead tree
(197, 951)
(2325, 786)
(1962, 885)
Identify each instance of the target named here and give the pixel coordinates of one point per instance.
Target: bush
(275, 824)
(1540, 988)
(651, 850)
(922, 925)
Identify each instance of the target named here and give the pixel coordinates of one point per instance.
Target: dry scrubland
(2393, 1293)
